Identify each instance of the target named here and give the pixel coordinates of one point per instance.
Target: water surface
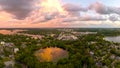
(115, 39)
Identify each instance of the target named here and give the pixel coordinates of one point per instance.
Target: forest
(88, 51)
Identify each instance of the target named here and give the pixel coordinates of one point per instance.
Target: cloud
(73, 9)
(53, 13)
(70, 19)
(102, 9)
(19, 8)
(92, 18)
(42, 17)
(85, 18)
(47, 11)
(74, 13)
(114, 17)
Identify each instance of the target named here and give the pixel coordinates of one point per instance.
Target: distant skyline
(59, 14)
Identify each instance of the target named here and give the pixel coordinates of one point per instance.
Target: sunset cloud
(19, 8)
(56, 13)
(102, 9)
(73, 9)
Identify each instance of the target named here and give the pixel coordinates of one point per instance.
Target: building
(67, 37)
(9, 64)
(16, 50)
(2, 42)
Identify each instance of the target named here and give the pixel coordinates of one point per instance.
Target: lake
(115, 39)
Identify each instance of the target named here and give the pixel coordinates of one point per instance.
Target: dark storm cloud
(19, 8)
(102, 9)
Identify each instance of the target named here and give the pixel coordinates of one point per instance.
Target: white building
(2, 43)
(16, 50)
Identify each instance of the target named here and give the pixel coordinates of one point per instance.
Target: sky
(59, 14)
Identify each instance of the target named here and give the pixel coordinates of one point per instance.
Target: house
(117, 58)
(112, 57)
(91, 53)
(9, 64)
(2, 42)
(9, 44)
(16, 50)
